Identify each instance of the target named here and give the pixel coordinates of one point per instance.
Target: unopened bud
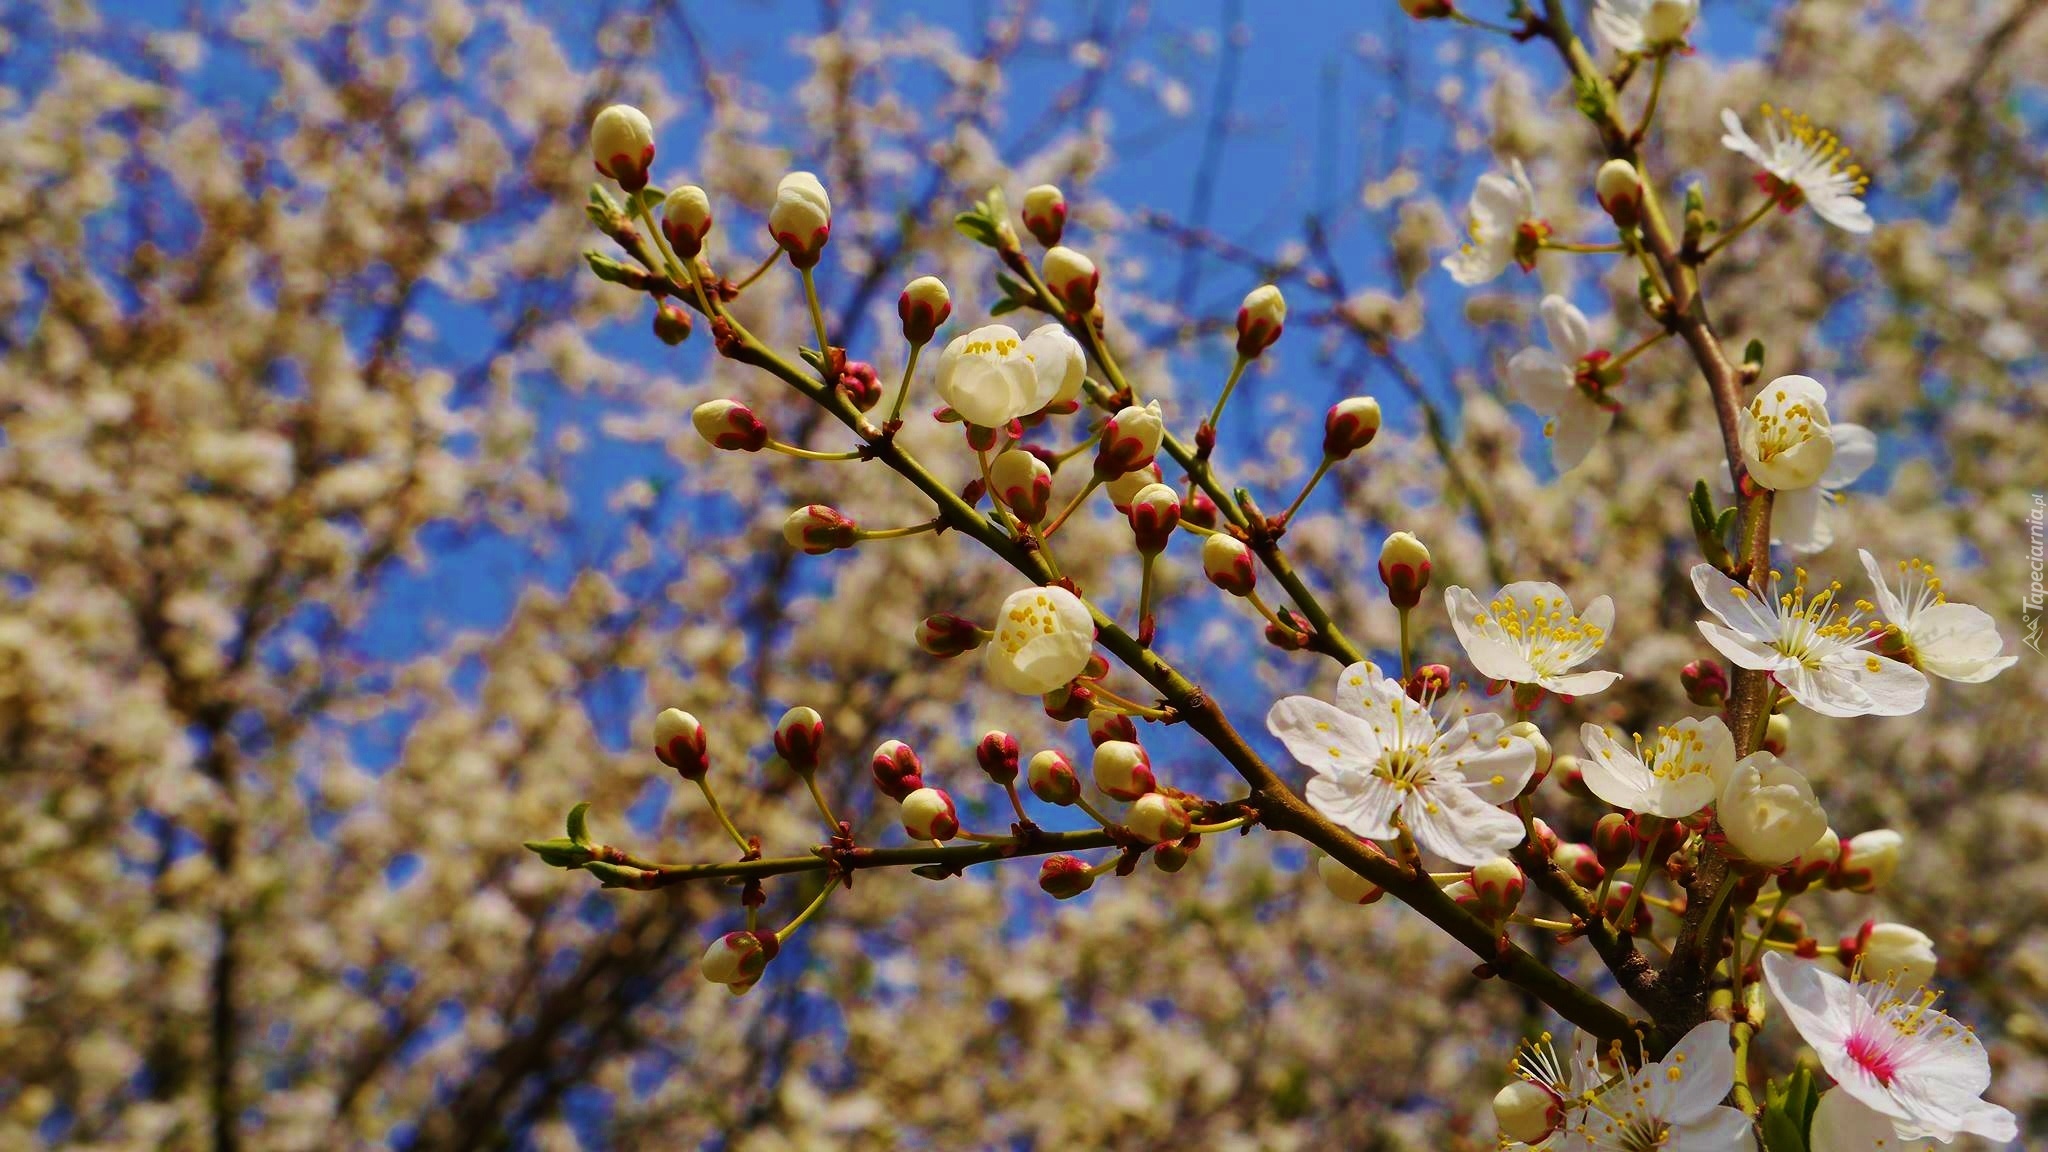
(1404, 569)
(679, 743)
(945, 635)
(1541, 743)
(997, 754)
(1614, 841)
(1104, 726)
(1130, 439)
(1156, 819)
(896, 769)
(1051, 778)
(1072, 277)
(1155, 513)
(858, 383)
(672, 323)
(1813, 865)
(1122, 770)
(1200, 511)
(1777, 733)
(1023, 483)
(799, 737)
(1570, 776)
(1706, 683)
(685, 219)
(1228, 564)
(1350, 425)
(1579, 862)
(1619, 188)
(1429, 682)
(1526, 1113)
(1867, 861)
(928, 815)
(1543, 838)
(1065, 877)
(1498, 885)
(622, 145)
(1898, 953)
(1259, 320)
(1347, 885)
(1617, 901)
(816, 529)
(1667, 21)
(729, 426)
(1045, 214)
(1292, 634)
(1126, 487)
(737, 959)
(1428, 9)
(924, 305)
(801, 218)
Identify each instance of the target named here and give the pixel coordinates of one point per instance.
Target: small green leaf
(579, 825)
(615, 271)
(1004, 306)
(617, 875)
(1753, 355)
(652, 197)
(560, 852)
(1788, 1112)
(976, 227)
(935, 871)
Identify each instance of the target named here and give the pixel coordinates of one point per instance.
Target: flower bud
(685, 219)
(816, 529)
(1051, 778)
(1350, 425)
(1768, 812)
(1155, 513)
(1200, 511)
(672, 323)
(1293, 633)
(1579, 862)
(1347, 885)
(1065, 877)
(1571, 777)
(801, 219)
(997, 755)
(945, 635)
(1129, 441)
(1072, 278)
(1706, 683)
(1404, 569)
(1045, 214)
(1023, 483)
(1174, 855)
(1667, 21)
(1498, 885)
(896, 769)
(1122, 770)
(928, 815)
(1104, 726)
(622, 145)
(1617, 900)
(1259, 320)
(1867, 861)
(858, 383)
(1069, 702)
(1619, 188)
(1813, 865)
(737, 959)
(1526, 1113)
(924, 305)
(1428, 9)
(1429, 682)
(1614, 841)
(1461, 894)
(1157, 819)
(1893, 952)
(679, 743)
(799, 737)
(1777, 733)
(1126, 487)
(1541, 743)
(1544, 840)
(1228, 564)
(730, 426)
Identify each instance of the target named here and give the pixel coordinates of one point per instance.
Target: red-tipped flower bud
(737, 959)
(1619, 188)
(945, 635)
(1155, 513)
(1614, 841)
(1526, 1113)
(1259, 320)
(1867, 861)
(928, 815)
(1065, 877)
(1579, 862)
(622, 145)
(1497, 887)
(1228, 564)
(1045, 214)
(924, 305)
(816, 529)
(671, 323)
(729, 426)
(1350, 425)
(1023, 483)
(1130, 440)
(679, 743)
(800, 737)
(1104, 726)
(1051, 778)
(1072, 277)
(1347, 885)
(685, 219)
(1777, 733)
(1429, 682)
(1544, 839)
(1706, 683)
(1122, 770)
(801, 218)
(1570, 776)
(997, 755)
(1540, 742)
(1813, 865)
(1156, 819)
(1200, 511)
(1404, 569)
(896, 769)
(857, 382)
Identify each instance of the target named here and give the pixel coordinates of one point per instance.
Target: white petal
(1843, 1123)
(1612, 770)
(1369, 694)
(1831, 689)
(1361, 803)
(1706, 1067)
(1495, 765)
(1798, 519)
(1580, 683)
(1458, 826)
(1567, 328)
(1323, 737)
(1577, 428)
(1817, 1002)
(1539, 379)
(1855, 452)
(1893, 608)
(1845, 212)
(1736, 139)
(1722, 1129)
(1497, 203)
(1737, 607)
(1480, 262)
(1486, 645)
(1755, 655)
(1958, 642)
(1894, 689)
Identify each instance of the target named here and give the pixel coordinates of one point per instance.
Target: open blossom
(1567, 1086)
(990, 376)
(1567, 383)
(1043, 640)
(1802, 164)
(1786, 440)
(1814, 650)
(1635, 25)
(1903, 1059)
(1530, 634)
(1842, 1123)
(1957, 642)
(1383, 762)
(1504, 226)
(1799, 517)
(1768, 812)
(1673, 1104)
(1675, 776)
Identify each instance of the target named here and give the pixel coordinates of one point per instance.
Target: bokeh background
(351, 532)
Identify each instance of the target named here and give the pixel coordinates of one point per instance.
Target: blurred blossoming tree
(355, 531)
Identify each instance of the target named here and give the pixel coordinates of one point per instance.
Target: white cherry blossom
(991, 376)
(1800, 516)
(1501, 212)
(1787, 442)
(1842, 1123)
(1957, 642)
(1530, 634)
(1043, 639)
(1802, 164)
(1566, 383)
(1673, 1104)
(1904, 1059)
(1818, 653)
(1678, 774)
(1383, 762)
(1634, 25)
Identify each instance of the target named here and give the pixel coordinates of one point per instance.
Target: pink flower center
(1874, 1056)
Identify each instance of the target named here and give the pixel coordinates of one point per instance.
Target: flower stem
(1738, 229)
(903, 393)
(773, 255)
(1656, 90)
(668, 255)
(818, 322)
(1648, 829)
(1219, 826)
(931, 525)
(1082, 803)
(1589, 249)
(807, 454)
(1744, 1098)
(1093, 483)
(790, 928)
(718, 810)
(1236, 371)
(1321, 470)
(1407, 647)
(811, 782)
(1777, 910)
(1640, 347)
(1145, 592)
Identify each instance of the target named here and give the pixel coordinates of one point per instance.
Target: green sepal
(560, 852)
(1789, 1104)
(579, 825)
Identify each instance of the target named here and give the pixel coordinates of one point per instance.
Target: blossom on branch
(1567, 384)
(1802, 164)
(1505, 229)
(1530, 634)
(1815, 651)
(1958, 642)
